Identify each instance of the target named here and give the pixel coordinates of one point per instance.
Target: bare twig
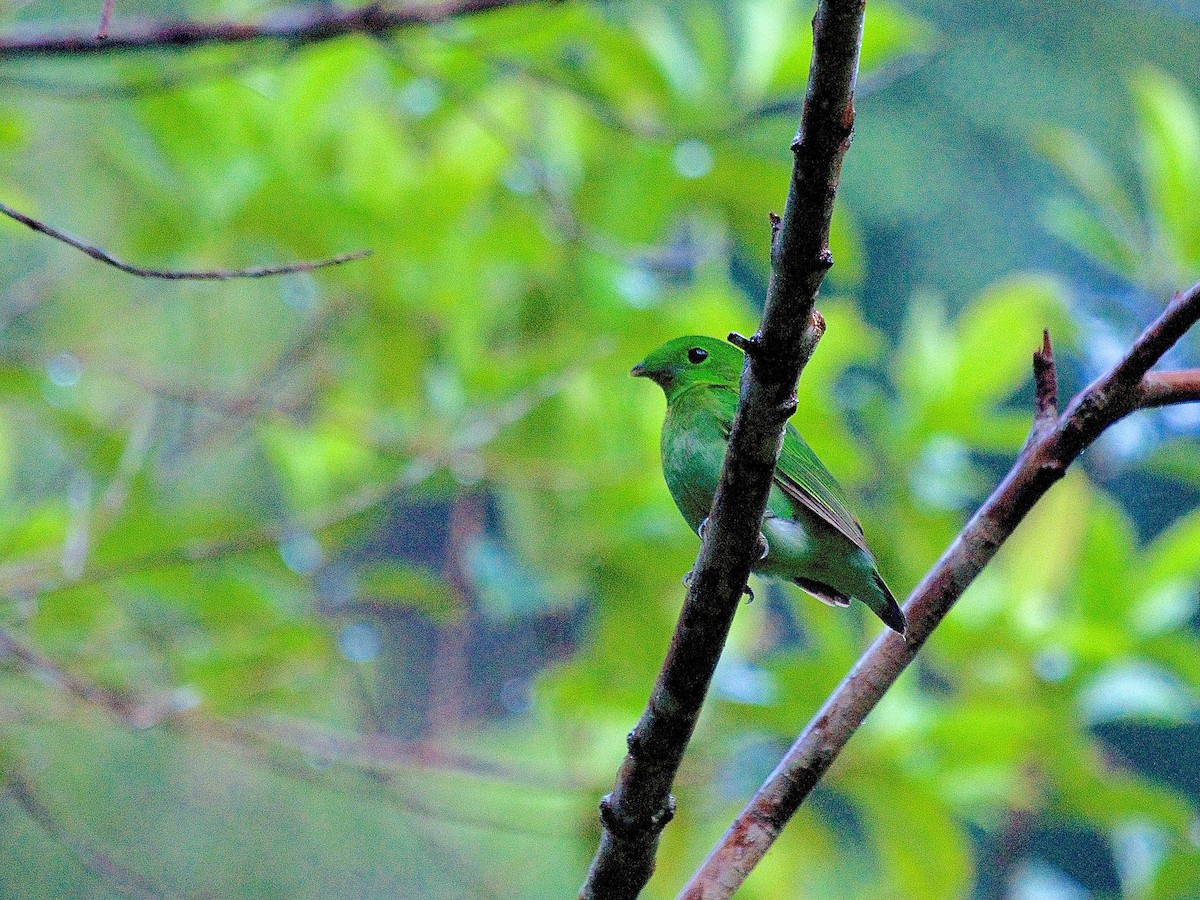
(1050, 450)
(1165, 388)
(635, 813)
(119, 706)
(124, 881)
(105, 19)
(1045, 382)
(300, 24)
(173, 274)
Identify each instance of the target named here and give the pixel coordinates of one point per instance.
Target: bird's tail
(885, 606)
(880, 600)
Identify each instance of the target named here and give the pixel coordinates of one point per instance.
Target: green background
(350, 584)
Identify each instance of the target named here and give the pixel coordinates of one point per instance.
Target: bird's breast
(693, 449)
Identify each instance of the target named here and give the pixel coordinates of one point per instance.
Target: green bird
(811, 537)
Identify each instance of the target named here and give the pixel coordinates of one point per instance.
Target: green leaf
(1174, 555)
(999, 331)
(315, 464)
(768, 29)
(908, 827)
(1075, 225)
(1088, 170)
(1170, 125)
(889, 32)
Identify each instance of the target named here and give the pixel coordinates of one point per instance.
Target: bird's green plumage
(812, 538)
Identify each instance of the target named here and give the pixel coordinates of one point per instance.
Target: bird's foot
(702, 528)
(749, 592)
(763, 549)
(687, 579)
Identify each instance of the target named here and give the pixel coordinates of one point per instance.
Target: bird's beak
(638, 371)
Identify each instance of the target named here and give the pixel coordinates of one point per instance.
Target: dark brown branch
(173, 274)
(1042, 462)
(1045, 380)
(635, 813)
(300, 24)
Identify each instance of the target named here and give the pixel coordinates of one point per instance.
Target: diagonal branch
(309, 23)
(1053, 445)
(118, 705)
(175, 274)
(124, 881)
(635, 813)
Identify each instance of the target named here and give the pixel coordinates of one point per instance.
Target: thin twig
(635, 813)
(1124, 389)
(105, 18)
(300, 24)
(124, 881)
(1045, 380)
(1165, 388)
(119, 706)
(173, 274)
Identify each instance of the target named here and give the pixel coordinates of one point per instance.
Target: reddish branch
(1055, 442)
(1165, 388)
(107, 258)
(300, 24)
(639, 807)
(105, 19)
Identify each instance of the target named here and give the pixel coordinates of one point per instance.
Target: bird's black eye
(697, 355)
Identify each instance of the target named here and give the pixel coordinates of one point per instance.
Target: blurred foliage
(351, 584)
(1150, 237)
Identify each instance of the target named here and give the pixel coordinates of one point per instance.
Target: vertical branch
(105, 18)
(640, 805)
(1045, 381)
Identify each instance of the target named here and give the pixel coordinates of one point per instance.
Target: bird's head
(691, 360)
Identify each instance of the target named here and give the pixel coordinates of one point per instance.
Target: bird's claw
(763, 550)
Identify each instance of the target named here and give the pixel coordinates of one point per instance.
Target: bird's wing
(801, 476)
(804, 480)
